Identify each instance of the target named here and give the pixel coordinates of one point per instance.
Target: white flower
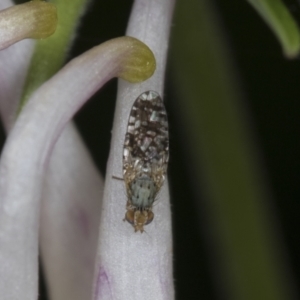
(48, 183)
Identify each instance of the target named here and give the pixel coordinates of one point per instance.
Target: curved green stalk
(281, 22)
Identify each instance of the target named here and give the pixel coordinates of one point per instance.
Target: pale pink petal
(68, 262)
(70, 219)
(14, 62)
(27, 151)
(133, 265)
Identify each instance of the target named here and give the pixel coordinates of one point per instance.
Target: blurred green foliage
(225, 161)
(282, 23)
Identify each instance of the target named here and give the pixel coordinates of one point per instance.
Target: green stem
(281, 22)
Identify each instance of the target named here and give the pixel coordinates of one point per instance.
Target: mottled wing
(146, 146)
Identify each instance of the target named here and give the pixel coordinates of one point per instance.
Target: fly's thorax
(142, 192)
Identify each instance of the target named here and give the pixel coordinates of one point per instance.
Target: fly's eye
(150, 217)
(129, 216)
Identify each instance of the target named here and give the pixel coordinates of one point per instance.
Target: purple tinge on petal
(165, 277)
(82, 220)
(103, 286)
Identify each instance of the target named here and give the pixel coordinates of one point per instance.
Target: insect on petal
(145, 157)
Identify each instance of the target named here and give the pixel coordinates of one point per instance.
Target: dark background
(270, 86)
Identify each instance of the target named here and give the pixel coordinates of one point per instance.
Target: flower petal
(26, 154)
(133, 265)
(14, 62)
(12, 74)
(70, 218)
